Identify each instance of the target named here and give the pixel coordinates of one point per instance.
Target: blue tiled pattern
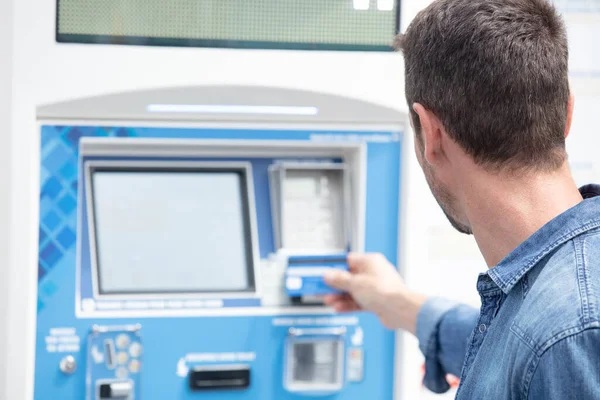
(58, 194)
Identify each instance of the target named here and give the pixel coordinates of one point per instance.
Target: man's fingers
(345, 305)
(338, 279)
(341, 303)
(358, 262)
(332, 298)
(355, 261)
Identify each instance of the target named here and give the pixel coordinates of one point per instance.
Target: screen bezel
(248, 214)
(219, 43)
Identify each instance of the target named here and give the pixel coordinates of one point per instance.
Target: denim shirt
(537, 333)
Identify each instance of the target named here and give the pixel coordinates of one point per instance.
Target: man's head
(486, 80)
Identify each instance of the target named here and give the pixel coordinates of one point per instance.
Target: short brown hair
(495, 72)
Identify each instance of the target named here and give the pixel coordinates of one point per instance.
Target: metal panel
(222, 103)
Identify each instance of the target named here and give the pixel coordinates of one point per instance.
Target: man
(488, 91)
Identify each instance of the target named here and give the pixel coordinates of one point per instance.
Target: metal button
(122, 358)
(122, 341)
(122, 373)
(482, 328)
(68, 365)
(134, 366)
(135, 350)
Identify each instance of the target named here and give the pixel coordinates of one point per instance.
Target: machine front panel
(162, 273)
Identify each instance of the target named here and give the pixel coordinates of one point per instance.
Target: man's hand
(373, 284)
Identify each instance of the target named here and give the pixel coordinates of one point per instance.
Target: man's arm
(443, 330)
(442, 327)
(569, 369)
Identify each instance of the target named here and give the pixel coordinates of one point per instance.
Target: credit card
(304, 274)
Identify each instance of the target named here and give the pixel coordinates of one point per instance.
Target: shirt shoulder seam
(535, 361)
(588, 319)
(586, 289)
(540, 349)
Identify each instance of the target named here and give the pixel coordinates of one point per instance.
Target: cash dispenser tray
(314, 361)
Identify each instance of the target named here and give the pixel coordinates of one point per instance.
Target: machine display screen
(171, 231)
(362, 25)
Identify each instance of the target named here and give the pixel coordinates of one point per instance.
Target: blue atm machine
(183, 235)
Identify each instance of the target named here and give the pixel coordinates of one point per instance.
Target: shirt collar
(581, 218)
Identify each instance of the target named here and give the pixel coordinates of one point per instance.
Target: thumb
(338, 279)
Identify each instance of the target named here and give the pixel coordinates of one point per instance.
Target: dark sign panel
(361, 25)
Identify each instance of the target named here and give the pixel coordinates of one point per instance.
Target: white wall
(43, 71)
(5, 141)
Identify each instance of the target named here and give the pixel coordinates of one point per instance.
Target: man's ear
(570, 108)
(431, 131)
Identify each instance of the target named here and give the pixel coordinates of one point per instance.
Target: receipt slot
(223, 377)
(181, 253)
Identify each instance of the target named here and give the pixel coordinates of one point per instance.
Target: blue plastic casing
(178, 334)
